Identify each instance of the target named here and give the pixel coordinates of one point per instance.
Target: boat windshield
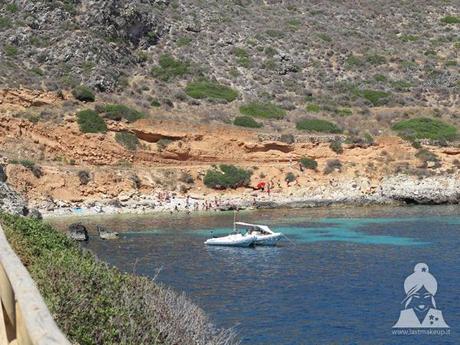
(254, 227)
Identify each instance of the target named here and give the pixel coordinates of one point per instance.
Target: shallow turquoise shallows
(339, 279)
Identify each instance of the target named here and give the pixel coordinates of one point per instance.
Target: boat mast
(234, 220)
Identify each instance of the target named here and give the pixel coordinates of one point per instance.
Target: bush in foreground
(90, 122)
(83, 93)
(94, 303)
(227, 176)
(425, 128)
(317, 125)
(210, 90)
(263, 110)
(118, 112)
(246, 121)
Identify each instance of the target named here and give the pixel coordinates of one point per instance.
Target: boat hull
(268, 240)
(228, 241)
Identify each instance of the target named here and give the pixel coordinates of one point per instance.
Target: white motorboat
(264, 235)
(233, 240)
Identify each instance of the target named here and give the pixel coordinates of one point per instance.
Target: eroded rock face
(268, 146)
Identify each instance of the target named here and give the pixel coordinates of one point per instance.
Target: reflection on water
(341, 282)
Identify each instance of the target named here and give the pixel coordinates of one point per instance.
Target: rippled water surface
(338, 280)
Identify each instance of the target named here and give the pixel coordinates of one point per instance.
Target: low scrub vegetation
(90, 122)
(246, 121)
(263, 110)
(313, 108)
(428, 158)
(375, 97)
(210, 90)
(94, 303)
(309, 163)
(332, 165)
(290, 177)
(425, 128)
(450, 20)
(83, 93)
(336, 146)
(119, 112)
(128, 140)
(84, 177)
(169, 68)
(227, 176)
(317, 125)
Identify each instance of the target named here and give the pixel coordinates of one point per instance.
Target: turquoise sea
(339, 279)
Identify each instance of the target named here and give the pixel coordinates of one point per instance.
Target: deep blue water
(340, 280)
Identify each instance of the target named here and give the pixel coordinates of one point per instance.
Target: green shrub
(336, 146)
(325, 37)
(183, 41)
(242, 57)
(246, 121)
(5, 23)
(343, 111)
(95, 303)
(450, 20)
(90, 122)
(425, 128)
(211, 90)
(265, 110)
(309, 163)
(117, 112)
(313, 108)
(290, 177)
(155, 103)
(375, 59)
(227, 176)
(380, 77)
(408, 38)
(127, 140)
(401, 85)
(375, 97)
(83, 94)
(169, 68)
(317, 125)
(270, 51)
(353, 60)
(10, 50)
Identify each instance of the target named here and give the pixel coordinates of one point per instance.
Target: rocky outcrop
(429, 190)
(78, 232)
(268, 146)
(84, 41)
(12, 202)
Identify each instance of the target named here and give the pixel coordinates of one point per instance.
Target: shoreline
(393, 190)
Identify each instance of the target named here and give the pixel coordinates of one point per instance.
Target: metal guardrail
(24, 317)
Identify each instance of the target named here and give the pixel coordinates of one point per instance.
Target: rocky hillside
(103, 99)
(334, 54)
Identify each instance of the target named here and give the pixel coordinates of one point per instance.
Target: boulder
(78, 232)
